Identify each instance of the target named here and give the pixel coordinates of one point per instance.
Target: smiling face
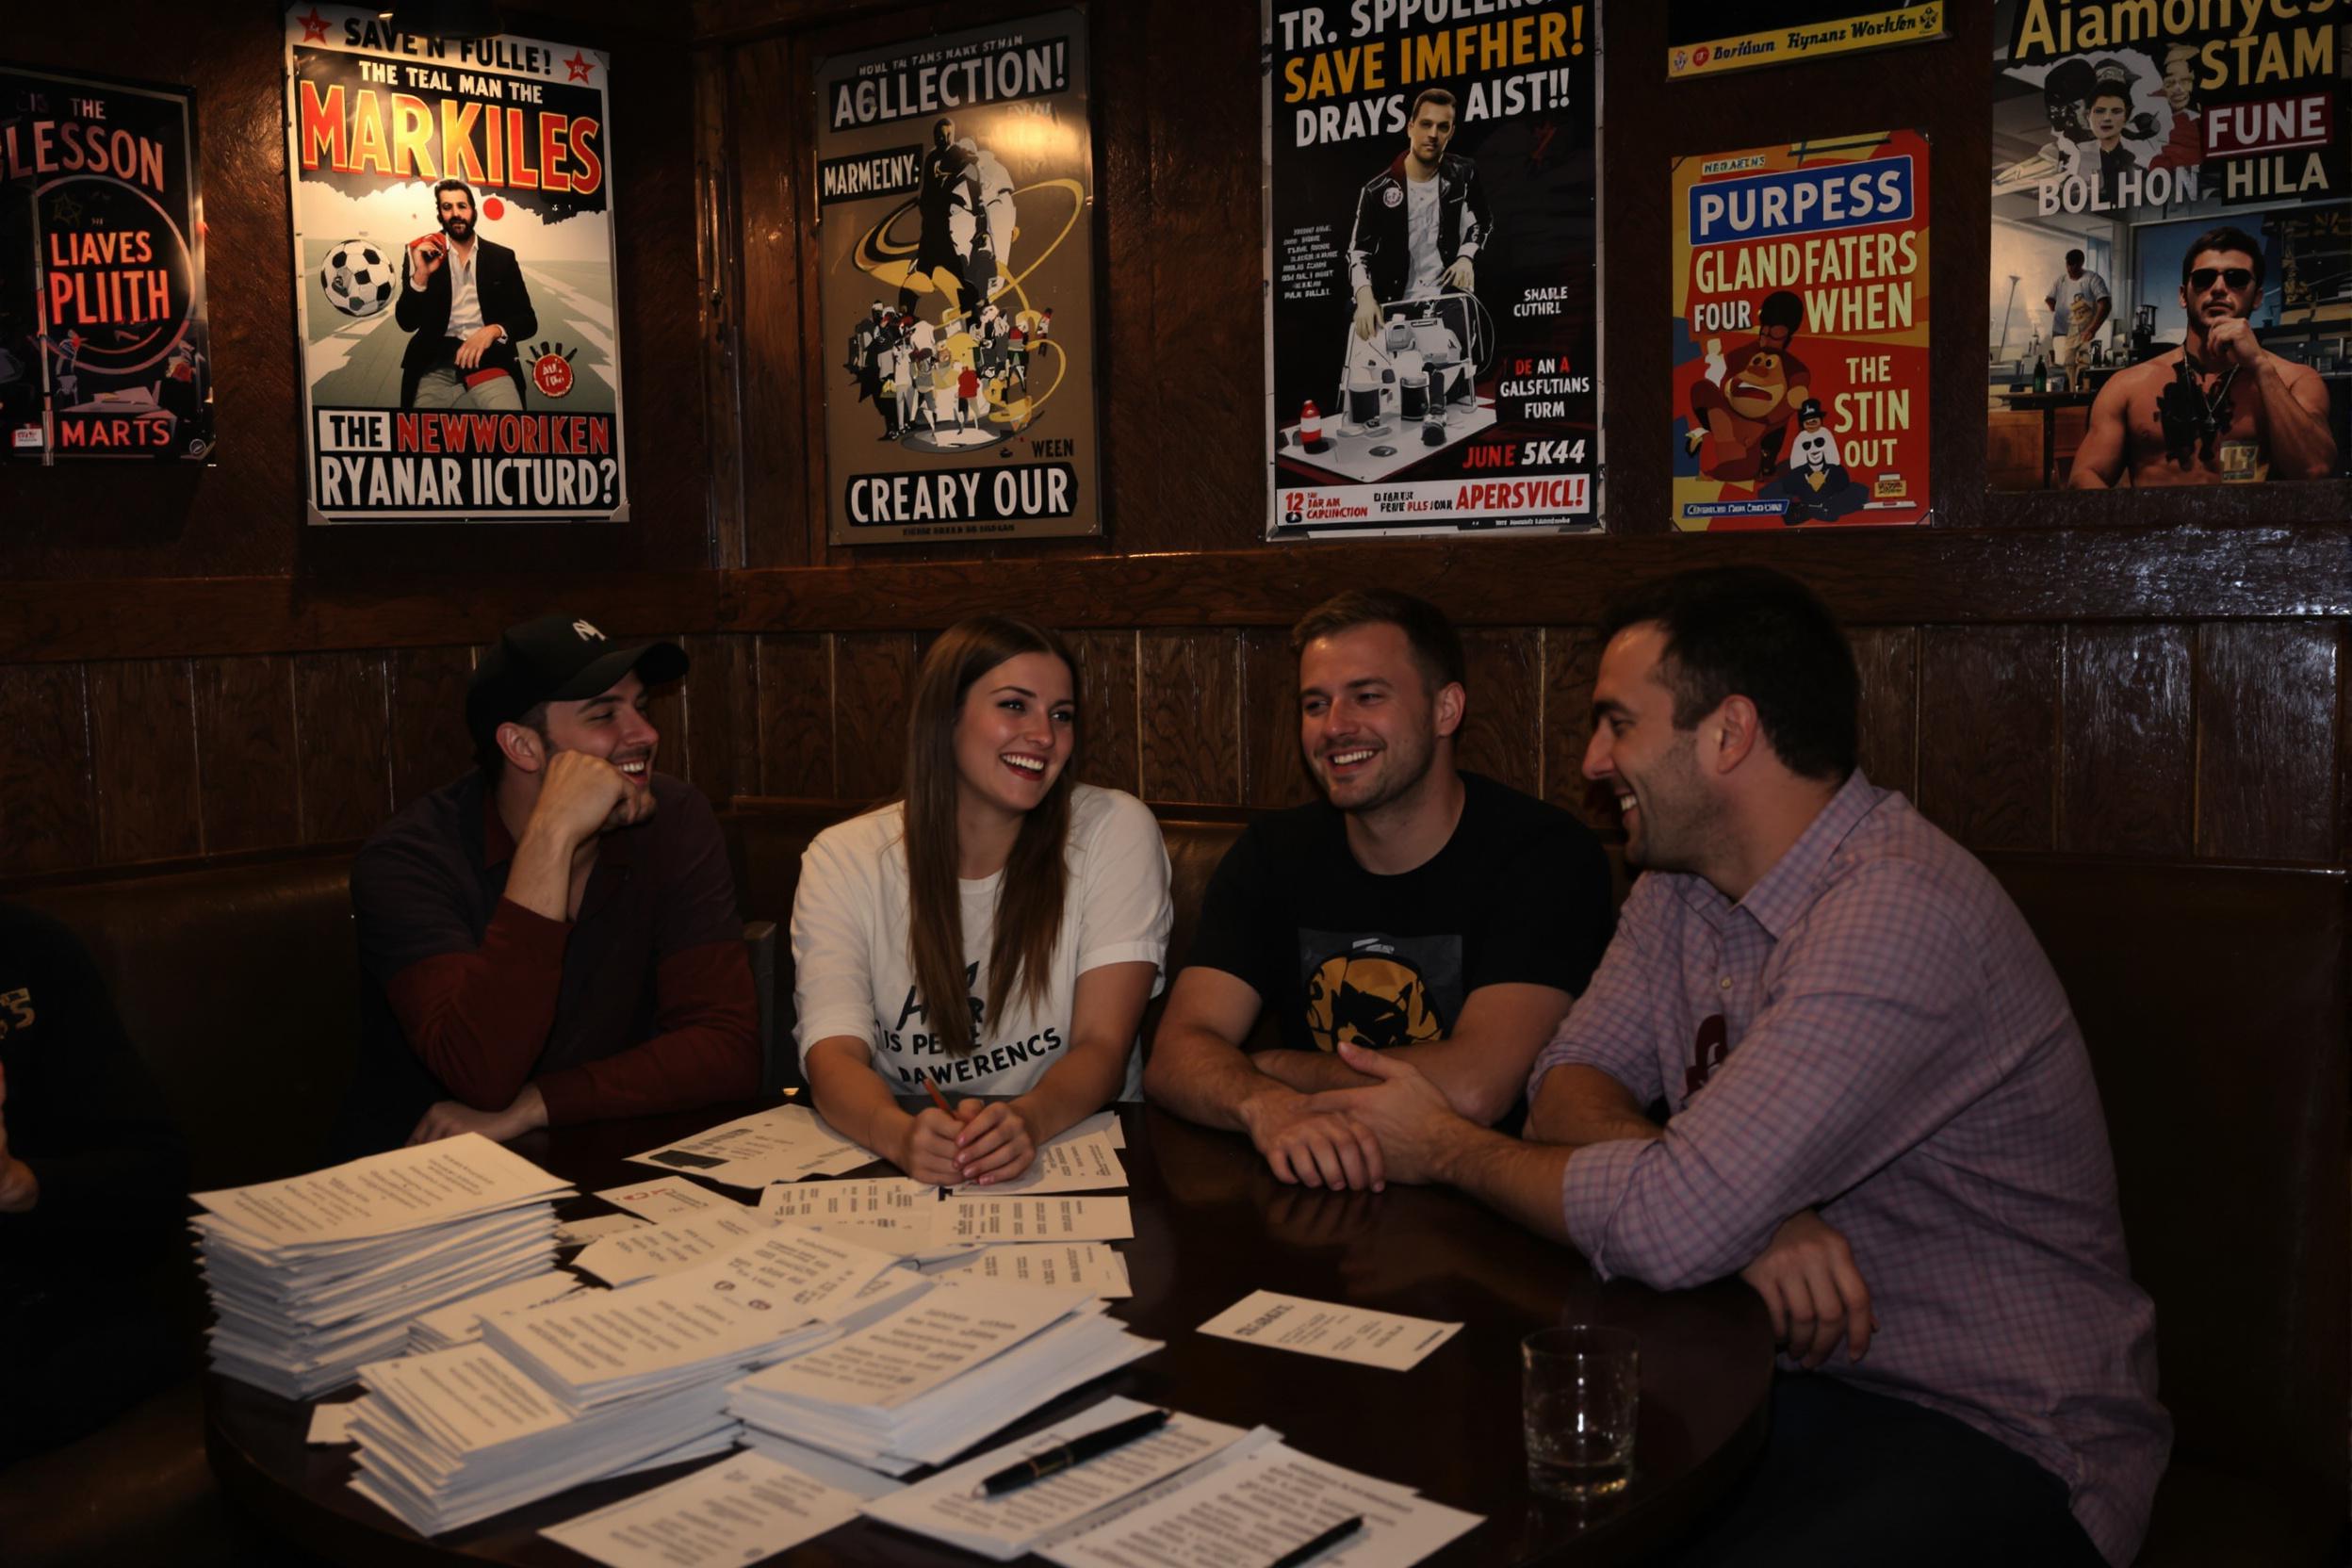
(1367, 721)
(1671, 820)
(611, 725)
(1014, 734)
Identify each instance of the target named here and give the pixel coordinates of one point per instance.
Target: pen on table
(1076, 1451)
(941, 1100)
(1309, 1551)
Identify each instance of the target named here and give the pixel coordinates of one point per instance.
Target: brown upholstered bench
(2214, 997)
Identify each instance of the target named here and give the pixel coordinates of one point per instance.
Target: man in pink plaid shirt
(1879, 1113)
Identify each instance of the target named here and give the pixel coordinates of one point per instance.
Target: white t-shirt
(852, 975)
(1426, 269)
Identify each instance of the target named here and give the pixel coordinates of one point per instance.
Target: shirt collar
(1783, 892)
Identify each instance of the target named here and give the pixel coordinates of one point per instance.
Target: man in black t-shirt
(1416, 908)
(93, 1182)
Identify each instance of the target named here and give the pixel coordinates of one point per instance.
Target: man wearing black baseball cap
(552, 937)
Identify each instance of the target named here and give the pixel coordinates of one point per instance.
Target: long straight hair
(1030, 894)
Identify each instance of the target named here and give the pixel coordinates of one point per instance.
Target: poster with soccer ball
(104, 341)
(453, 270)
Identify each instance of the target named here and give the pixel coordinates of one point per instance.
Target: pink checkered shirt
(1874, 1034)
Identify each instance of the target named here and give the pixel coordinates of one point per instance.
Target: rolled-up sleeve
(1862, 1049)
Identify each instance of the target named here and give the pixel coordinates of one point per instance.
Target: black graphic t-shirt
(1519, 896)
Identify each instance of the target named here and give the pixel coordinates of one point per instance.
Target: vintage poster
(1431, 329)
(2171, 278)
(1708, 37)
(1800, 334)
(453, 274)
(955, 186)
(103, 346)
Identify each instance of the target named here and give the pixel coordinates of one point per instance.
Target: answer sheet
(744, 1509)
(1075, 1162)
(1383, 1339)
(920, 1347)
(654, 1250)
(783, 1144)
(669, 1198)
(1258, 1507)
(1012, 1522)
(1043, 1265)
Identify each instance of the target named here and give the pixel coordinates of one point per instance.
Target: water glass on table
(1581, 1391)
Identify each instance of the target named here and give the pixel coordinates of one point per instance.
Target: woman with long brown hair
(995, 932)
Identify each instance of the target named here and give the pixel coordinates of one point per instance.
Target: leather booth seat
(2213, 999)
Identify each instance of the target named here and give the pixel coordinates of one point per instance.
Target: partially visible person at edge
(553, 937)
(1879, 1113)
(1420, 910)
(996, 932)
(93, 1184)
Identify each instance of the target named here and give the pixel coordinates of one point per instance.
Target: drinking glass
(1581, 1391)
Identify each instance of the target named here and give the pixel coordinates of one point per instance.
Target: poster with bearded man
(453, 271)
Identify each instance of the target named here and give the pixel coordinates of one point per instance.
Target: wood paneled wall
(186, 669)
(2166, 739)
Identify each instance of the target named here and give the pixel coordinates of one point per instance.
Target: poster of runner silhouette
(104, 342)
(954, 187)
(453, 274)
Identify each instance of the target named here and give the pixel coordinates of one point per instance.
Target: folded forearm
(478, 1021)
(1205, 1079)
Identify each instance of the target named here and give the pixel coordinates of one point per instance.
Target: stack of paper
(603, 1382)
(460, 1323)
(780, 1145)
(936, 1375)
(313, 1276)
(461, 1434)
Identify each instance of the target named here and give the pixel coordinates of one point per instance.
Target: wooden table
(1211, 1225)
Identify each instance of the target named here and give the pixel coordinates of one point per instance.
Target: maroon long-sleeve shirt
(644, 1003)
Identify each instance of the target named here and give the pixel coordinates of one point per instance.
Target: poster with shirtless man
(2171, 277)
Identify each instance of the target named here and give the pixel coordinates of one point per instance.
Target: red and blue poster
(1800, 334)
(104, 343)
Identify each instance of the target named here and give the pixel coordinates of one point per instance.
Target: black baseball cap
(557, 658)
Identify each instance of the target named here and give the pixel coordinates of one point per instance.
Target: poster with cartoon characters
(1800, 334)
(2171, 278)
(1433, 328)
(1708, 37)
(453, 274)
(104, 343)
(955, 186)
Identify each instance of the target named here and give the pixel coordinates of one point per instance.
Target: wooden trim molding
(1906, 577)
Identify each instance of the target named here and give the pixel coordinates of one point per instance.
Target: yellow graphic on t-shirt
(1376, 1002)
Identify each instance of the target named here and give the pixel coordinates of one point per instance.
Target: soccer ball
(358, 280)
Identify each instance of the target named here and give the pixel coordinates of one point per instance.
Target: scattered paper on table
(653, 1249)
(989, 1220)
(1010, 1524)
(1390, 1339)
(330, 1425)
(783, 1144)
(669, 1198)
(1043, 1265)
(578, 1233)
(1267, 1502)
(745, 1508)
(1075, 1162)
